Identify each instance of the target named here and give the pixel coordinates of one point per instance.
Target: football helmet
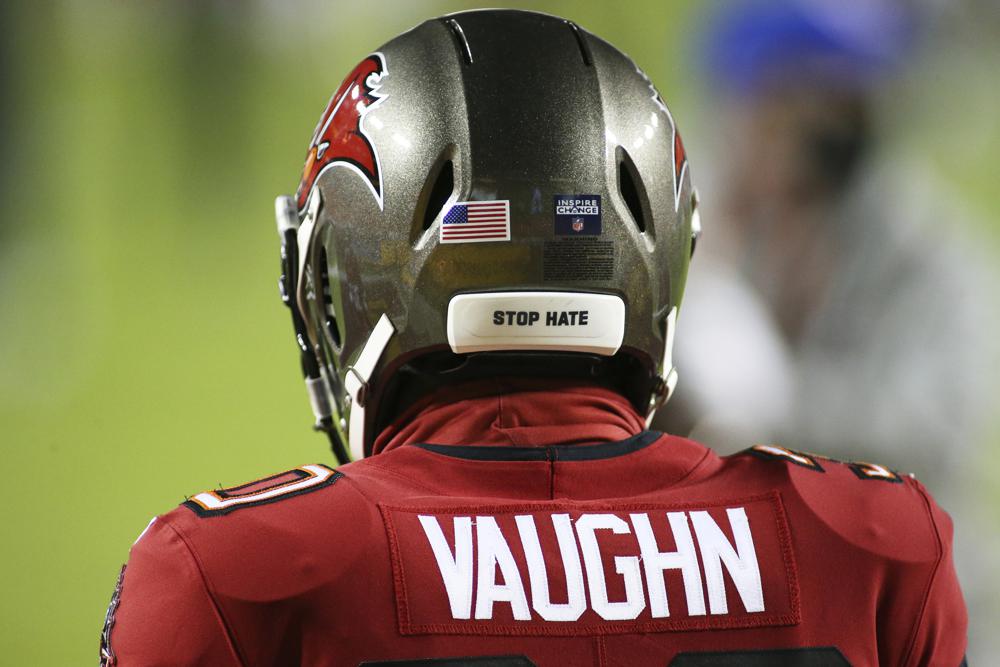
(492, 193)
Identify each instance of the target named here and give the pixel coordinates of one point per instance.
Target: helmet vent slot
(444, 185)
(632, 192)
(460, 41)
(580, 42)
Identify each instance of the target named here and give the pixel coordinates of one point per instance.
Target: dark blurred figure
(835, 304)
(834, 308)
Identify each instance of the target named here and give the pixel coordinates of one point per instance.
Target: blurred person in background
(854, 316)
(836, 307)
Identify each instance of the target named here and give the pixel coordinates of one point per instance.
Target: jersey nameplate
(592, 568)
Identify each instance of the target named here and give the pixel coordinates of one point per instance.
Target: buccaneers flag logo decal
(340, 138)
(680, 155)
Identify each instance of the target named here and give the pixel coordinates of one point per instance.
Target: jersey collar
(519, 413)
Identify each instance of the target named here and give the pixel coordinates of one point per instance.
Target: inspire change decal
(578, 215)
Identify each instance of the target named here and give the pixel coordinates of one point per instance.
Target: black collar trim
(604, 450)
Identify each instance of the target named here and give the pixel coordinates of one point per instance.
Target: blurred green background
(144, 353)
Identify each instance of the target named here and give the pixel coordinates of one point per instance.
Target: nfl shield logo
(577, 224)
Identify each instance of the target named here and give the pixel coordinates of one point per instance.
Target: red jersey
(544, 526)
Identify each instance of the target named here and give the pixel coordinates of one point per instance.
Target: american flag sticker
(476, 221)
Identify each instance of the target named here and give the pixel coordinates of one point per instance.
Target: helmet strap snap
(663, 386)
(357, 378)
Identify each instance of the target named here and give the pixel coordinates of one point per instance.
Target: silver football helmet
(493, 192)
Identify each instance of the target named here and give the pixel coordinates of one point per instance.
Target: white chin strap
(356, 382)
(669, 375)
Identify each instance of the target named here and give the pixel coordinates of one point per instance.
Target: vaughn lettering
(479, 571)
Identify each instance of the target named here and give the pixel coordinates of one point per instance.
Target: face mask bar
(288, 223)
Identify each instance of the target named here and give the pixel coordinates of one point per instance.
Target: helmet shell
(493, 105)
